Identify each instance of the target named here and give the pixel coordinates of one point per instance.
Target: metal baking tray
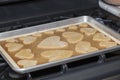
(56, 25)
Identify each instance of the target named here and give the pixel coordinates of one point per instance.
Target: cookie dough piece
(37, 35)
(54, 55)
(12, 40)
(28, 39)
(52, 42)
(82, 47)
(72, 37)
(60, 30)
(49, 32)
(24, 54)
(100, 37)
(88, 31)
(107, 44)
(83, 25)
(72, 27)
(27, 63)
(13, 47)
(92, 49)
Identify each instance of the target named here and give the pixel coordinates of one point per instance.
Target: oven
(29, 14)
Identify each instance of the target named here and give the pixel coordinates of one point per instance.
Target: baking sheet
(56, 25)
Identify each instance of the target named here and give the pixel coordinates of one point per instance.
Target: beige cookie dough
(24, 54)
(88, 31)
(83, 25)
(52, 42)
(72, 37)
(100, 37)
(54, 55)
(72, 27)
(27, 63)
(60, 30)
(82, 47)
(107, 44)
(37, 34)
(28, 39)
(13, 47)
(92, 49)
(12, 40)
(49, 32)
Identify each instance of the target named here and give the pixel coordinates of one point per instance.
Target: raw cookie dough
(82, 47)
(60, 30)
(37, 35)
(72, 27)
(27, 63)
(107, 44)
(100, 37)
(54, 55)
(72, 37)
(88, 31)
(11, 40)
(52, 42)
(49, 32)
(24, 54)
(28, 39)
(83, 25)
(13, 47)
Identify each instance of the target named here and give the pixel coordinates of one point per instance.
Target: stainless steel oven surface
(31, 16)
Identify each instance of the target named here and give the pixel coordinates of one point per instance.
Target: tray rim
(50, 64)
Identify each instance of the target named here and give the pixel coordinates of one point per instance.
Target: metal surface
(116, 77)
(111, 3)
(56, 25)
(112, 9)
(92, 72)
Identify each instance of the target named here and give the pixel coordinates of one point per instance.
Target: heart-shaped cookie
(107, 44)
(24, 54)
(37, 34)
(88, 31)
(13, 47)
(92, 49)
(27, 63)
(54, 55)
(28, 39)
(100, 37)
(49, 32)
(12, 40)
(83, 25)
(52, 42)
(83, 47)
(72, 37)
(72, 27)
(60, 30)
